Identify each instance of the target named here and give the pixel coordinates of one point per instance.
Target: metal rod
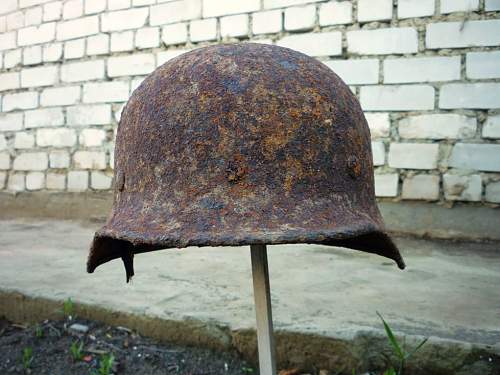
(262, 295)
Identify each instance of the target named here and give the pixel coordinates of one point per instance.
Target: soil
(50, 344)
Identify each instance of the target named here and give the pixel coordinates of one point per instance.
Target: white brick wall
(415, 8)
(422, 69)
(105, 92)
(300, 18)
(58, 137)
(174, 34)
(449, 6)
(437, 126)
(492, 193)
(355, 72)
(234, 26)
(138, 64)
(481, 65)
(314, 44)
(491, 127)
(458, 35)
(43, 117)
(413, 155)
(60, 96)
(374, 10)
(31, 161)
(82, 71)
(97, 114)
(421, 187)
(335, 13)
(266, 22)
(462, 187)
(382, 41)
(386, 185)
(470, 95)
(397, 98)
(213, 8)
(124, 19)
(22, 100)
(77, 28)
(481, 157)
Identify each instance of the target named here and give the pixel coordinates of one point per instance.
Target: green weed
(76, 351)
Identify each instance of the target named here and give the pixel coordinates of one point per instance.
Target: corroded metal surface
(241, 144)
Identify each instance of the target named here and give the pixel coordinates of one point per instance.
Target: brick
(7, 6)
(3, 142)
(7, 40)
(458, 35)
(9, 81)
(100, 181)
(437, 126)
(355, 72)
(57, 137)
(268, 4)
(24, 140)
(175, 11)
(174, 34)
(421, 69)
(374, 10)
(266, 22)
(314, 44)
(397, 98)
(164, 56)
(378, 152)
(135, 83)
(491, 127)
(415, 8)
(15, 21)
(43, 117)
(33, 16)
(137, 64)
(470, 95)
(31, 161)
(491, 5)
(36, 34)
(201, 30)
(35, 181)
(462, 187)
(42, 76)
(52, 11)
(52, 52)
(60, 96)
(335, 13)
(12, 58)
(98, 44)
(28, 3)
(105, 92)
(421, 187)
(492, 193)
(383, 41)
(118, 4)
(78, 180)
(480, 65)
(56, 181)
(234, 26)
(89, 160)
(137, 3)
(386, 185)
(148, 37)
(117, 113)
(379, 124)
(74, 49)
(22, 100)
(449, 6)
(92, 137)
(59, 159)
(481, 157)
(16, 182)
(11, 122)
(413, 155)
(123, 41)
(97, 114)
(4, 161)
(94, 6)
(77, 28)
(215, 8)
(124, 19)
(300, 18)
(72, 9)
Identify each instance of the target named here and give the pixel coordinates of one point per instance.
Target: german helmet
(241, 144)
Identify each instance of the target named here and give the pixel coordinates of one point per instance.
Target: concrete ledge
(464, 222)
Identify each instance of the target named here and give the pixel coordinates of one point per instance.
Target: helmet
(240, 144)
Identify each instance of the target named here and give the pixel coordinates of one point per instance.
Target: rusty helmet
(240, 144)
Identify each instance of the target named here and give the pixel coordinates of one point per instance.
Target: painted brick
(379, 124)
(137, 64)
(118, 4)
(97, 114)
(137, 3)
(413, 155)
(164, 56)
(462, 188)
(77, 28)
(72, 9)
(383, 41)
(52, 11)
(458, 35)
(266, 22)
(11, 122)
(124, 19)
(491, 127)
(480, 65)
(12, 58)
(28, 3)
(437, 126)
(92, 137)
(60, 96)
(335, 13)
(33, 16)
(7, 40)
(16, 182)
(175, 11)
(234, 26)
(35, 181)
(300, 18)
(105, 92)
(22, 100)
(57, 137)
(31, 161)
(4, 161)
(491, 5)
(52, 52)
(59, 159)
(374, 10)
(123, 41)
(43, 117)
(215, 8)
(492, 193)
(36, 34)
(148, 37)
(397, 98)
(481, 157)
(135, 83)
(82, 71)
(15, 21)
(386, 185)
(378, 152)
(9, 81)
(470, 95)
(89, 160)
(7, 6)
(355, 72)
(94, 6)
(74, 49)
(201, 30)
(268, 4)
(56, 181)
(78, 181)
(314, 44)
(449, 6)
(24, 140)
(421, 69)
(100, 181)
(98, 44)
(174, 34)
(42, 76)
(421, 187)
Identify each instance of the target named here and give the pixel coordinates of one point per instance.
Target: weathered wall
(427, 73)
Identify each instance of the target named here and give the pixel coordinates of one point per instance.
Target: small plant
(27, 357)
(68, 308)
(38, 332)
(76, 350)
(105, 364)
(400, 351)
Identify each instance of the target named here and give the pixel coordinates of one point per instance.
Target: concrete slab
(449, 290)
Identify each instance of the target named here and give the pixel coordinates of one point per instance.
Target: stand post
(262, 295)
